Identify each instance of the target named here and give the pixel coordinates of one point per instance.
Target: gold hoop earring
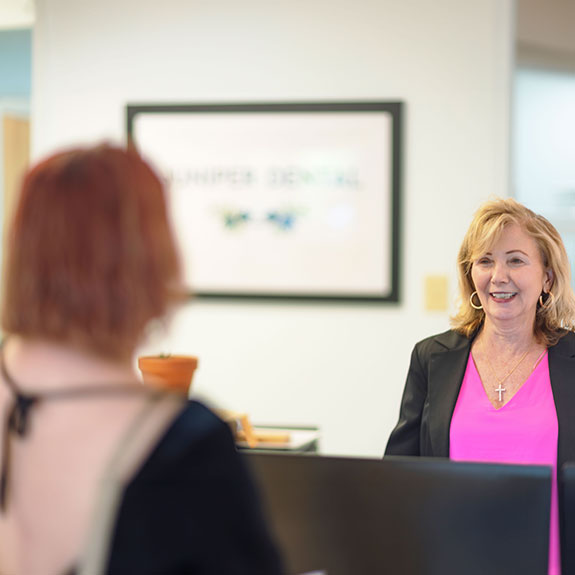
(472, 304)
(549, 300)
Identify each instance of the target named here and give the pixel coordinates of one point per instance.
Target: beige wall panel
(16, 137)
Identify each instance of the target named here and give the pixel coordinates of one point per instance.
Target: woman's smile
(503, 296)
(509, 277)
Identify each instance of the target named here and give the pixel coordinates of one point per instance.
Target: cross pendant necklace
(500, 390)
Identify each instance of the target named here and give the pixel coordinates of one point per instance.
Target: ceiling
(545, 33)
(545, 29)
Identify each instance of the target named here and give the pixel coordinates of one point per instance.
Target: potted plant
(174, 372)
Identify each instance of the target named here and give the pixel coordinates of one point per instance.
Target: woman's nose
(499, 274)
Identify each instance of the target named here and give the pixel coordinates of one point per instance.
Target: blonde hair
(488, 223)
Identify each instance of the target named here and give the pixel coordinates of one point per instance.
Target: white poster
(280, 200)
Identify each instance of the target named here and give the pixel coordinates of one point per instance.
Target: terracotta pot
(174, 372)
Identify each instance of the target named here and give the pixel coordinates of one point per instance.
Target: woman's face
(510, 277)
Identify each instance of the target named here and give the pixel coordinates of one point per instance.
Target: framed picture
(294, 200)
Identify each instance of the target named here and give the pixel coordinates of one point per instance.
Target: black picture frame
(148, 123)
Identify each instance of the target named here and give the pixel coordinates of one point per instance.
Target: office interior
(476, 80)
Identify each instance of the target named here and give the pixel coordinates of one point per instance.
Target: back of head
(91, 258)
(486, 227)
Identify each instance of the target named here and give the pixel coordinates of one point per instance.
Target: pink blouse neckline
(530, 378)
(524, 430)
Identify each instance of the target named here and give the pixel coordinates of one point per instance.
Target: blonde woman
(500, 386)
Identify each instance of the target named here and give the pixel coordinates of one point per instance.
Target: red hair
(91, 256)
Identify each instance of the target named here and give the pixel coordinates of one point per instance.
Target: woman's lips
(502, 296)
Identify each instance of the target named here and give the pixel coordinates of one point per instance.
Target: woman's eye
(516, 261)
(483, 261)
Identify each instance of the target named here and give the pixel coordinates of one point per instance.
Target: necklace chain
(508, 374)
(498, 387)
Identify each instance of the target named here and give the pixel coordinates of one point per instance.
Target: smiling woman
(510, 277)
(496, 387)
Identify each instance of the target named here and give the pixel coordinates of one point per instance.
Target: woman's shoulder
(196, 417)
(565, 343)
(196, 422)
(446, 340)
(195, 433)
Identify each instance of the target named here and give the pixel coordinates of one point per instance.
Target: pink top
(524, 430)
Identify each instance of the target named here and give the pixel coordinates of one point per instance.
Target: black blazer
(192, 508)
(433, 382)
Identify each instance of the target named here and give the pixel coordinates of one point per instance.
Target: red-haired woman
(99, 474)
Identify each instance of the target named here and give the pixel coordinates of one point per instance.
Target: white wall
(339, 366)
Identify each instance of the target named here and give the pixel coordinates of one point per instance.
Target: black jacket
(192, 509)
(433, 382)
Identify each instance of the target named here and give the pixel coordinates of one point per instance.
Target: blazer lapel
(562, 375)
(447, 368)
(446, 371)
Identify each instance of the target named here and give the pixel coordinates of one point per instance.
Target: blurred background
(489, 102)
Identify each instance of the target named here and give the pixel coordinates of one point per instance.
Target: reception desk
(405, 516)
